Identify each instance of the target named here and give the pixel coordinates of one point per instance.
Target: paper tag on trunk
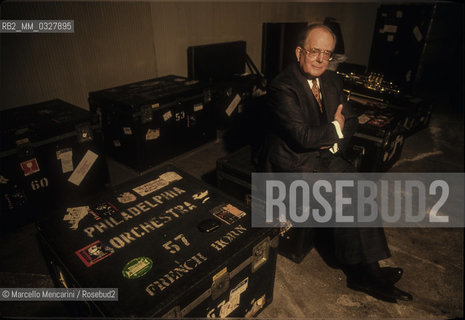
(66, 158)
(233, 105)
(152, 134)
(83, 168)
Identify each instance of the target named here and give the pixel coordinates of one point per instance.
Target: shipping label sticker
(233, 105)
(152, 134)
(137, 267)
(170, 176)
(126, 197)
(66, 158)
(150, 187)
(74, 215)
(155, 105)
(103, 210)
(127, 131)
(167, 115)
(30, 167)
(94, 253)
(364, 118)
(116, 143)
(198, 107)
(201, 196)
(390, 28)
(417, 33)
(83, 168)
(228, 214)
(235, 294)
(154, 185)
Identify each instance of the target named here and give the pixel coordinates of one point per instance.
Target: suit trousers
(353, 245)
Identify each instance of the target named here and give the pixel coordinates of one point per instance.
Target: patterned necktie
(316, 93)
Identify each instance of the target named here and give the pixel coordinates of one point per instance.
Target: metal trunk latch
(260, 254)
(84, 133)
(220, 285)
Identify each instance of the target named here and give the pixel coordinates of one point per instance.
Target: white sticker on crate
(66, 158)
(127, 131)
(167, 115)
(198, 107)
(417, 33)
(152, 134)
(74, 215)
(155, 105)
(154, 185)
(390, 28)
(233, 105)
(83, 168)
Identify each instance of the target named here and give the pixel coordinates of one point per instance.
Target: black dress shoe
(391, 275)
(379, 290)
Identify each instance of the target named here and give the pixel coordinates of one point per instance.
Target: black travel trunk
(148, 122)
(380, 133)
(234, 173)
(231, 97)
(51, 152)
(172, 245)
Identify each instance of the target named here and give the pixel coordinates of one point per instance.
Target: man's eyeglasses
(314, 52)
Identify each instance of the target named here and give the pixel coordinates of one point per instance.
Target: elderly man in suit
(310, 125)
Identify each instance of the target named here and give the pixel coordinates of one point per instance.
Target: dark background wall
(121, 42)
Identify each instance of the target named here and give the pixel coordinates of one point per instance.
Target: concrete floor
(432, 258)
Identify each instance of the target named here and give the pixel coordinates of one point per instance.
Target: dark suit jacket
(296, 132)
